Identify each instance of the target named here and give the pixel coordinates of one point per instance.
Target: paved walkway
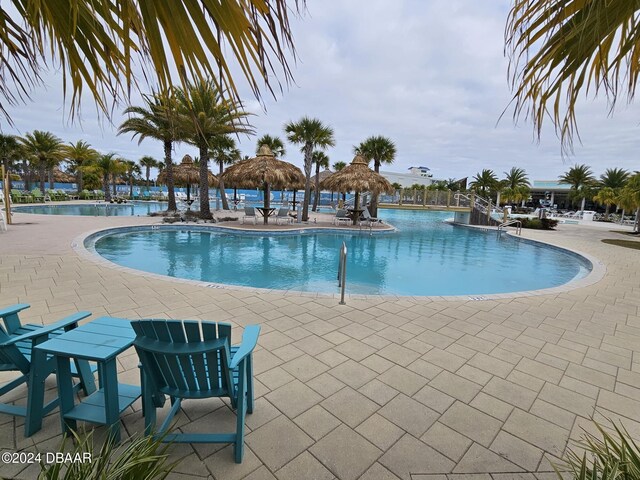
(377, 389)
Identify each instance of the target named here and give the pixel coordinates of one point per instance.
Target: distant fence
(425, 198)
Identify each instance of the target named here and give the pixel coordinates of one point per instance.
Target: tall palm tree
(78, 154)
(312, 134)
(629, 198)
(274, 143)
(381, 150)
(9, 151)
(321, 160)
(515, 186)
(581, 179)
(148, 163)
(558, 49)
(224, 152)
(131, 169)
(614, 178)
(107, 166)
(606, 196)
(100, 44)
(158, 120)
(484, 182)
(45, 148)
(339, 166)
(205, 115)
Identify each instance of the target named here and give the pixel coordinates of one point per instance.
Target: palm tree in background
(107, 166)
(158, 120)
(223, 150)
(77, 154)
(274, 143)
(148, 163)
(46, 149)
(629, 198)
(10, 151)
(484, 182)
(615, 178)
(515, 186)
(558, 49)
(606, 196)
(321, 160)
(205, 115)
(581, 179)
(99, 44)
(339, 166)
(312, 134)
(381, 150)
(131, 169)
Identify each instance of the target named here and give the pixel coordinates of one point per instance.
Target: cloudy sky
(430, 75)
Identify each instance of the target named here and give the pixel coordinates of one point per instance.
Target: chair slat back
(11, 358)
(283, 212)
(250, 211)
(177, 358)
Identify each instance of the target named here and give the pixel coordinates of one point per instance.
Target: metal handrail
(480, 203)
(518, 224)
(342, 271)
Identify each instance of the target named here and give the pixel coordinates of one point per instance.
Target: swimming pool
(425, 257)
(129, 209)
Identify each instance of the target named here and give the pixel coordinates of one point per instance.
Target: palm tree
(274, 143)
(606, 196)
(381, 150)
(148, 163)
(77, 154)
(515, 186)
(9, 151)
(204, 115)
(312, 134)
(45, 148)
(557, 49)
(99, 44)
(629, 198)
(131, 169)
(224, 152)
(581, 179)
(157, 120)
(339, 166)
(614, 178)
(107, 166)
(321, 160)
(484, 182)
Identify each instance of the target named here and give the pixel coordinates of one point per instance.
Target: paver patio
(380, 388)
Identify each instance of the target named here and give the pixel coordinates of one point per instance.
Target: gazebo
(264, 171)
(187, 173)
(357, 177)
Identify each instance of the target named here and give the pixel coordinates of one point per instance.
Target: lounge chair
(368, 219)
(37, 196)
(3, 221)
(17, 344)
(341, 216)
(283, 215)
(250, 213)
(176, 360)
(20, 197)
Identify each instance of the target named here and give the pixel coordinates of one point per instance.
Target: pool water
(424, 257)
(129, 209)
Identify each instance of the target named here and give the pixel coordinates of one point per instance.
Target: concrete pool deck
(380, 388)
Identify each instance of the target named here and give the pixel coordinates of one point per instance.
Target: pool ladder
(517, 223)
(342, 271)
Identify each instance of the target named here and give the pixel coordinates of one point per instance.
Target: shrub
(539, 223)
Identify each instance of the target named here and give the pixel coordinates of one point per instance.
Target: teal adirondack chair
(178, 361)
(16, 348)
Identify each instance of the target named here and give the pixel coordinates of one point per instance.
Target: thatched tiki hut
(186, 174)
(357, 177)
(264, 171)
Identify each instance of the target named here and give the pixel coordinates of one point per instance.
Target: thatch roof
(263, 169)
(357, 177)
(186, 173)
(323, 176)
(62, 177)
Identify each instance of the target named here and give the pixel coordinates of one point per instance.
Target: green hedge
(539, 223)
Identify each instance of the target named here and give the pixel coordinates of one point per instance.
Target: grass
(623, 243)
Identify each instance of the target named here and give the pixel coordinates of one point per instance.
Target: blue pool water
(129, 209)
(424, 257)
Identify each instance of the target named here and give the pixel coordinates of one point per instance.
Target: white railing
(342, 271)
(517, 223)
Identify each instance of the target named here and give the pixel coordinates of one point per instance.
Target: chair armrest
(46, 330)
(249, 341)
(13, 309)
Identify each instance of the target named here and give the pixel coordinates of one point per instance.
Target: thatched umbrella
(187, 173)
(265, 171)
(357, 177)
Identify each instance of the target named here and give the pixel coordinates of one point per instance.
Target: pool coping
(597, 272)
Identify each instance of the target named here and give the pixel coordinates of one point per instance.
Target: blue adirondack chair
(16, 349)
(179, 361)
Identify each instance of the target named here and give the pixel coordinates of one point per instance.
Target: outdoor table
(101, 341)
(354, 213)
(266, 212)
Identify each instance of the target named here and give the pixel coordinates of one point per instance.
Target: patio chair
(283, 215)
(37, 196)
(19, 197)
(341, 216)
(16, 349)
(178, 361)
(367, 218)
(250, 214)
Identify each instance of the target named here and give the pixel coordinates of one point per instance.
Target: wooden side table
(101, 341)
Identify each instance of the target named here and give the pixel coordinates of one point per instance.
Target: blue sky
(430, 75)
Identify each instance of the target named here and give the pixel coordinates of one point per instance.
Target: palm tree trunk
(373, 207)
(316, 197)
(5, 163)
(223, 194)
(205, 210)
(79, 179)
(51, 183)
(308, 152)
(105, 187)
(43, 172)
(131, 188)
(27, 175)
(168, 165)
(148, 175)
(113, 184)
(606, 210)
